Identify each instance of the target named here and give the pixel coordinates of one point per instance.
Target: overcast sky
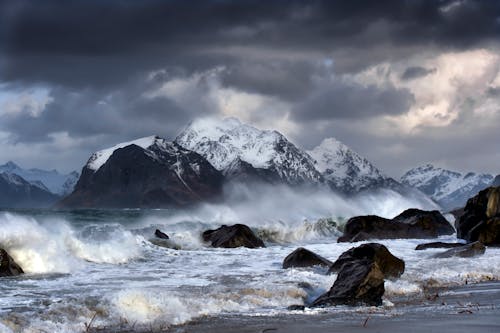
(401, 82)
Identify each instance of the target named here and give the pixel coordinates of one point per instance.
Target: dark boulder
(359, 282)
(8, 267)
(412, 223)
(233, 236)
(390, 265)
(465, 251)
(481, 218)
(302, 257)
(161, 234)
(425, 224)
(437, 245)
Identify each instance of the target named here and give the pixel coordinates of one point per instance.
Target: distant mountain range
(33, 187)
(207, 154)
(51, 180)
(153, 172)
(450, 189)
(15, 192)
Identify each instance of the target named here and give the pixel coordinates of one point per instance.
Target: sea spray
(54, 246)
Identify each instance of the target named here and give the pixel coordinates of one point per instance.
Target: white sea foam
(130, 281)
(55, 247)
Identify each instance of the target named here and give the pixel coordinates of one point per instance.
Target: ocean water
(106, 269)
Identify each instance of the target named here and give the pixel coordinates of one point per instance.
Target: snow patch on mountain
(343, 168)
(48, 180)
(100, 157)
(224, 143)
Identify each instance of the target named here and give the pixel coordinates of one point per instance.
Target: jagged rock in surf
(238, 235)
(302, 257)
(464, 251)
(437, 245)
(391, 266)
(149, 172)
(161, 234)
(8, 267)
(481, 218)
(359, 282)
(412, 223)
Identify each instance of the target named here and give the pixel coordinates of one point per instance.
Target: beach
(469, 308)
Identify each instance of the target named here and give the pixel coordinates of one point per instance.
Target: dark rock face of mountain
(245, 153)
(16, 192)
(412, 223)
(161, 175)
(496, 181)
(481, 218)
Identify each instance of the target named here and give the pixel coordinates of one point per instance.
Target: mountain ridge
(451, 189)
(52, 180)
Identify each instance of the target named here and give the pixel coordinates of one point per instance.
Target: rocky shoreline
(471, 308)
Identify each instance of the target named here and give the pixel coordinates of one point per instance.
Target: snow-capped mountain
(55, 182)
(240, 151)
(496, 181)
(16, 192)
(345, 170)
(147, 172)
(450, 189)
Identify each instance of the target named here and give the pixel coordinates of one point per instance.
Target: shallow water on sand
(106, 268)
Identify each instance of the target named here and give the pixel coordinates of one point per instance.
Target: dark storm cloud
(93, 56)
(340, 100)
(121, 115)
(416, 72)
(104, 42)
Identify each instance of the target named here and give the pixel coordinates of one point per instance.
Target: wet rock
(391, 266)
(296, 307)
(437, 245)
(425, 224)
(412, 223)
(359, 282)
(481, 218)
(302, 257)
(238, 235)
(8, 267)
(161, 234)
(166, 243)
(465, 251)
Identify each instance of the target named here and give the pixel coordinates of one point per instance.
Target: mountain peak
(449, 188)
(222, 142)
(9, 166)
(100, 157)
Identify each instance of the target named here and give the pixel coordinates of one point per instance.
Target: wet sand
(471, 308)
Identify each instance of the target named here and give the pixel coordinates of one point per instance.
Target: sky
(403, 83)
